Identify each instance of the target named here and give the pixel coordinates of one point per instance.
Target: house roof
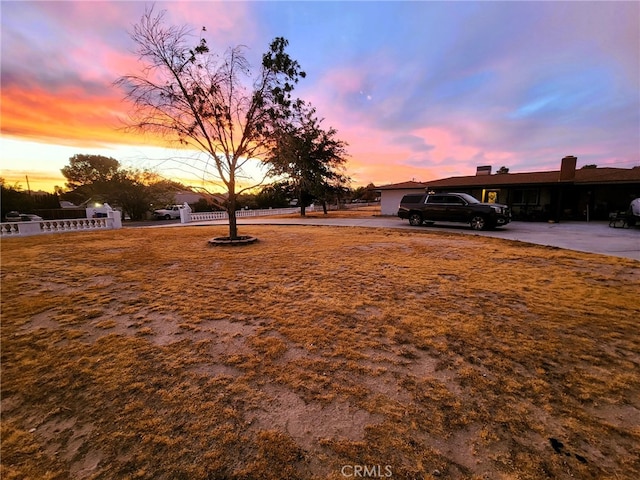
(497, 180)
(582, 176)
(411, 185)
(608, 175)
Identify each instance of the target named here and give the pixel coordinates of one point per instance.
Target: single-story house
(188, 197)
(390, 195)
(588, 193)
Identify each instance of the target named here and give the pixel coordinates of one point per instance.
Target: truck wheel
(167, 217)
(478, 222)
(415, 219)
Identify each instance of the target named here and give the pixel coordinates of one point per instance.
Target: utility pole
(28, 187)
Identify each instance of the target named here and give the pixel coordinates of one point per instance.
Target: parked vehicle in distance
(12, 217)
(453, 207)
(22, 217)
(168, 213)
(30, 217)
(634, 212)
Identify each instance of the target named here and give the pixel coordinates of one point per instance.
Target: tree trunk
(303, 210)
(231, 212)
(324, 207)
(233, 226)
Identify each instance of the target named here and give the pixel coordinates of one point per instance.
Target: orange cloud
(70, 116)
(34, 180)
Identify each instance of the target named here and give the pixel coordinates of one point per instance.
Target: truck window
(451, 199)
(437, 199)
(411, 199)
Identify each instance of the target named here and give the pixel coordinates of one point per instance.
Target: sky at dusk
(419, 90)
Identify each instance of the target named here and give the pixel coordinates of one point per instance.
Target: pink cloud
(227, 24)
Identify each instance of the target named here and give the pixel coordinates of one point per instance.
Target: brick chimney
(483, 170)
(568, 168)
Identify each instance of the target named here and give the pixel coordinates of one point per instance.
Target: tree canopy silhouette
(213, 103)
(311, 157)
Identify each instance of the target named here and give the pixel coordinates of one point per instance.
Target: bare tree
(209, 102)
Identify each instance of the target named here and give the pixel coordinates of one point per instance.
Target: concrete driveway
(592, 237)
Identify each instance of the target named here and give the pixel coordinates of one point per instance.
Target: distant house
(569, 193)
(390, 195)
(188, 197)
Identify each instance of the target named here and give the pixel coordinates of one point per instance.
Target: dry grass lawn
(316, 353)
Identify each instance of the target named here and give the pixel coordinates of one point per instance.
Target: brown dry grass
(144, 353)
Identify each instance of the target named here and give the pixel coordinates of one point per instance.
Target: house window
(490, 195)
(525, 196)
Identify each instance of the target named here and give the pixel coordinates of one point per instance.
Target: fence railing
(23, 229)
(188, 217)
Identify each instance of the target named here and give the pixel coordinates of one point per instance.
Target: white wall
(390, 199)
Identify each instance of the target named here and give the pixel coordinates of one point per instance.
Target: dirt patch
(309, 423)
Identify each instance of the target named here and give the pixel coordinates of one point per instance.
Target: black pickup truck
(453, 207)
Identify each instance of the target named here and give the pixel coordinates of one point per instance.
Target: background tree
(207, 102)
(13, 198)
(98, 178)
(310, 157)
(275, 195)
(202, 205)
(135, 191)
(89, 171)
(365, 194)
(89, 176)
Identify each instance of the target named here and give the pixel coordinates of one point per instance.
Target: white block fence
(187, 216)
(113, 220)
